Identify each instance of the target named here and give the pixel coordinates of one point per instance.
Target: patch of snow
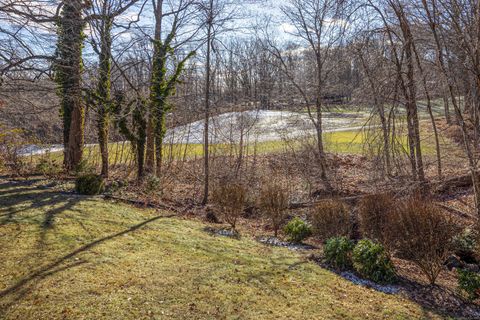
(389, 289)
(258, 126)
(232, 127)
(272, 241)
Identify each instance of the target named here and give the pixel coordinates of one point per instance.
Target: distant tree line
(135, 63)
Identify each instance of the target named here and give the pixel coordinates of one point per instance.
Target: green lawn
(66, 256)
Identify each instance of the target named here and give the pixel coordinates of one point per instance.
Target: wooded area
(353, 122)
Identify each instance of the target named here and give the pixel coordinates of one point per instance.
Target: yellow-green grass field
(65, 256)
(341, 142)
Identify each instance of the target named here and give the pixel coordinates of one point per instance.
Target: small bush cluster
(469, 282)
(230, 197)
(152, 184)
(371, 260)
(84, 168)
(89, 184)
(465, 245)
(421, 233)
(331, 218)
(47, 167)
(297, 230)
(11, 142)
(338, 252)
(273, 201)
(374, 215)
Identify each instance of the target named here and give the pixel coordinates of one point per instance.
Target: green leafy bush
(370, 259)
(465, 245)
(152, 184)
(338, 252)
(84, 168)
(90, 184)
(469, 282)
(297, 230)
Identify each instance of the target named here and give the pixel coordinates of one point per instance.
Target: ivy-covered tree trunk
(134, 130)
(162, 84)
(150, 144)
(68, 77)
(158, 97)
(104, 92)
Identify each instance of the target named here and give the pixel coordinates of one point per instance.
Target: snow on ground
(260, 125)
(251, 126)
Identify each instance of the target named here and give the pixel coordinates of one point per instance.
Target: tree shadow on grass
(26, 284)
(21, 199)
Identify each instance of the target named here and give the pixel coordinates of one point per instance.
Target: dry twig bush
(273, 201)
(373, 214)
(229, 198)
(422, 233)
(331, 218)
(11, 142)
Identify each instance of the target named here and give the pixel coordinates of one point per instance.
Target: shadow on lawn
(12, 204)
(21, 288)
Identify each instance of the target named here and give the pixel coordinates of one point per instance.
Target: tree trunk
(104, 93)
(150, 154)
(206, 157)
(68, 69)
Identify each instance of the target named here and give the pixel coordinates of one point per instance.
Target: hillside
(66, 256)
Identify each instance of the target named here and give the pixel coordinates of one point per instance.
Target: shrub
(47, 167)
(230, 199)
(469, 282)
(465, 245)
(84, 168)
(373, 214)
(273, 201)
(90, 184)
(297, 230)
(152, 184)
(12, 141)
(422, 233)
(338, 252)
(371, 260)
(331, 218)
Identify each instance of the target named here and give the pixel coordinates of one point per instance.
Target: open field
(66, 256)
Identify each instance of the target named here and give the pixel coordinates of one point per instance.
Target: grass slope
(65, 256)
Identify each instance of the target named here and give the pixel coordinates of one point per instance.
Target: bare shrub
(11, 143)
(373, 214)
(455, 133)
(422, 233)
(230, 197)
(274, 201)
(331, 218)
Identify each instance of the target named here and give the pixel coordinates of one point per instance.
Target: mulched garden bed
(438, 298)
